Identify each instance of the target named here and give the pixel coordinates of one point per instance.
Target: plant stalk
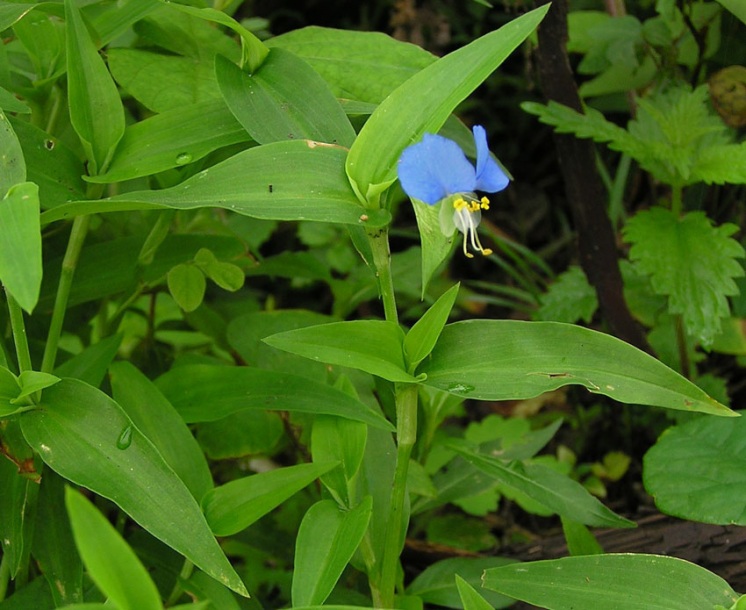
(379, 245)
(20, 339)
(69, 264)
(406, 435)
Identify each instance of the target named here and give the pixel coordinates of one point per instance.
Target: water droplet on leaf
(125, 438)
(460, 388)
(183, 158)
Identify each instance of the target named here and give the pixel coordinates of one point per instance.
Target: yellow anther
(485, 203)
(460, 204)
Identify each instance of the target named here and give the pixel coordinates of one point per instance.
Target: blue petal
(435, 168)
(490, 177)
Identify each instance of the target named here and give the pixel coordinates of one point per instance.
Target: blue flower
(436, 168)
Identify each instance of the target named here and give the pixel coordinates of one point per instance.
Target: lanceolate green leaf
(327, 539)
(373, 346)
(96, 110)
(363, 66)
(293, 180)
(239, 503)
(203, 392)
(111, 562)
(422, 337)
(173, 138)
(12, 163)
(618, 582)
(555, 491)
(285, 99)
(510, 359)
(20, 244)
(161, 423)
(424, 102)
(87, 438)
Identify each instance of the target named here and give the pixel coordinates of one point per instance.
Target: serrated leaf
(569, 299)
(690, 261)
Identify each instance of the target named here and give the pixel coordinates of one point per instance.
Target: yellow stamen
(466, 216)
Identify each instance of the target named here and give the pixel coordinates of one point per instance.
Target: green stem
(406, 434)
(4, 575)
(379, 245)
(19, 334)
(69, 263)
(186, 571)
(677, 201)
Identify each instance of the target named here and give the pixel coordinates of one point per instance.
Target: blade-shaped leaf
(612, 582)
(511, 359)
(160, 422)
(86, 437)
(550, 488)
(110, 561)
(292, 180)
(96, 110)
(206, 393)
(470, 598)
(20, 244)
(373, 346)
(424, 102)
(423, 336)
(285, 99)
(327, 538)
(234, 506)
(12, 163)
(173, 138)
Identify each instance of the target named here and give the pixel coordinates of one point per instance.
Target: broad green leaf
(111, 21)
(10, 103)
(511, 359)
(292, 180)
(18, 504)
(254, 51)
(200, 586)
(54, 546)
(735, 7)
(163, 82)
(569, 299)
(34, 381)
(50, 164)
(373, 346)
(436, 585)
(244, 433)
(696, 471)
(161, 424)
(326, 541)
(96, 111)
(87, 438)
(110, 561)
(689, 261)
(234, 506)
(206, 393)
(285, 99)
(342, 440)
(435, 245)
(422, 337)
(364, 66)
(34, 595)
(91, 364)
(11, 12)
(470, 598)
(173, 138)
(226, 275)
(553, 490)
(187, 285)
(20, 244)
(580, 540)
(424, 102)
(12, 162)
(612, 582)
